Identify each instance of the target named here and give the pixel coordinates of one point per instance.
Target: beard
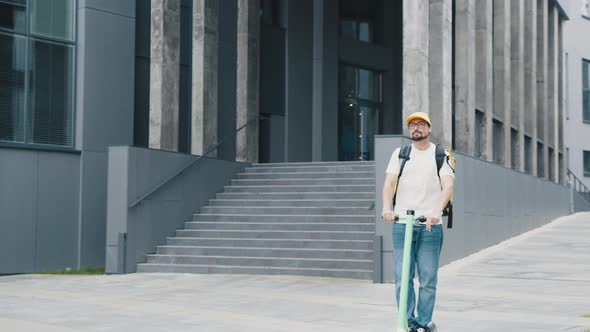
(419, 138)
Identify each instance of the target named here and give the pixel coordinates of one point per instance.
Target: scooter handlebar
(417, 220)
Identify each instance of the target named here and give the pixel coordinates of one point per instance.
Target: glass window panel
(12, 17)
(364, 32)
(586, 163)
(50, 94)
(586, 105)
(369, 87)
(12, 88)
(498, 140)
(348, 82)
(585, 74)
(53, 18)
(348, 29)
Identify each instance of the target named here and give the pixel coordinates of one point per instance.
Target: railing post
(378, 259)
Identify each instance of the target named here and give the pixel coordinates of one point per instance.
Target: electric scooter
(410, 220)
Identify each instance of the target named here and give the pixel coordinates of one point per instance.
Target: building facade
(255, 81)
(577, 90)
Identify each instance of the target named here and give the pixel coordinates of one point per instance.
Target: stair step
(293, 202)
(275, 262)
(285, 226)
(275, 234)
(177, 268)
(272, 243)
(307, 195)
(292, 210)
(299, 188)
(307, 175)
(315, 163)
(300, 182)
(266, 252)
(369, 218)
(313, 169)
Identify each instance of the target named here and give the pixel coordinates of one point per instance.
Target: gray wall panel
(491, 204)
(106, 81)
(57, 210)
(39, 204)
(93, 212)
(18, 201)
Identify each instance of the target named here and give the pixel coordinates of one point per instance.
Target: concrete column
(484, 87)
(530, 79)
(164, 73)
(502, 73)
(318, 86)
(464, 76)
(542, 52)
(517, 78)
(247, 101)
(552, 90)
(204, 76)
(415, 57)
(563, 165)
(440, 87)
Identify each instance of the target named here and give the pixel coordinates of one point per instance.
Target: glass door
(359, 108)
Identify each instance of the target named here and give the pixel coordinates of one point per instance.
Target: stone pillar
(502, 73)
(464, 76)
(440, 87)
(563, 165)
(517, 78)
(415, 57)
(542, 51)
(484, 87)
(318, 80)
(164, 73)
(530, 79)
(204, 76)
(552, 90)
(247, 101)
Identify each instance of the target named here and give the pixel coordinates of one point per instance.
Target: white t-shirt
(419, 187)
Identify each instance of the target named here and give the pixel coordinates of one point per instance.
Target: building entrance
(359, 112)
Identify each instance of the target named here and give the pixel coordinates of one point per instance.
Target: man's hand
(388, 215)
(432, 219)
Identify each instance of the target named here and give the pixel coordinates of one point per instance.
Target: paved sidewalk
(539, 281)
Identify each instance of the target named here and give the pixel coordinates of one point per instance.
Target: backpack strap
(404, 155)
(442, 155)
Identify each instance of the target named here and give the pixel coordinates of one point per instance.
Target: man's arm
(448, 184)
(388, 188)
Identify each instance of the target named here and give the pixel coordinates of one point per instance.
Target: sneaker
(431, 327)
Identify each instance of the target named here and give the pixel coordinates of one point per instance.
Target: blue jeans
(426, 247)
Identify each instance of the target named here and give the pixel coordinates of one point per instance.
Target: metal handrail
(578, 185)
(153, 190)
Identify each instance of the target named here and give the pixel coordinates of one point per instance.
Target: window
(586, 90)
(480, 127)
(356, 29)
(528, 155)
(587, 163)
(514, 148)
(37, 72)
(498, 139)
(540, 164)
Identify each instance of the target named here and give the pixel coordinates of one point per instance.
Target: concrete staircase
(311, 219)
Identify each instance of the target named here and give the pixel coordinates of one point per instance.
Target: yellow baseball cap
(419, 115)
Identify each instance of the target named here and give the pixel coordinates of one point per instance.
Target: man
(426, 190)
